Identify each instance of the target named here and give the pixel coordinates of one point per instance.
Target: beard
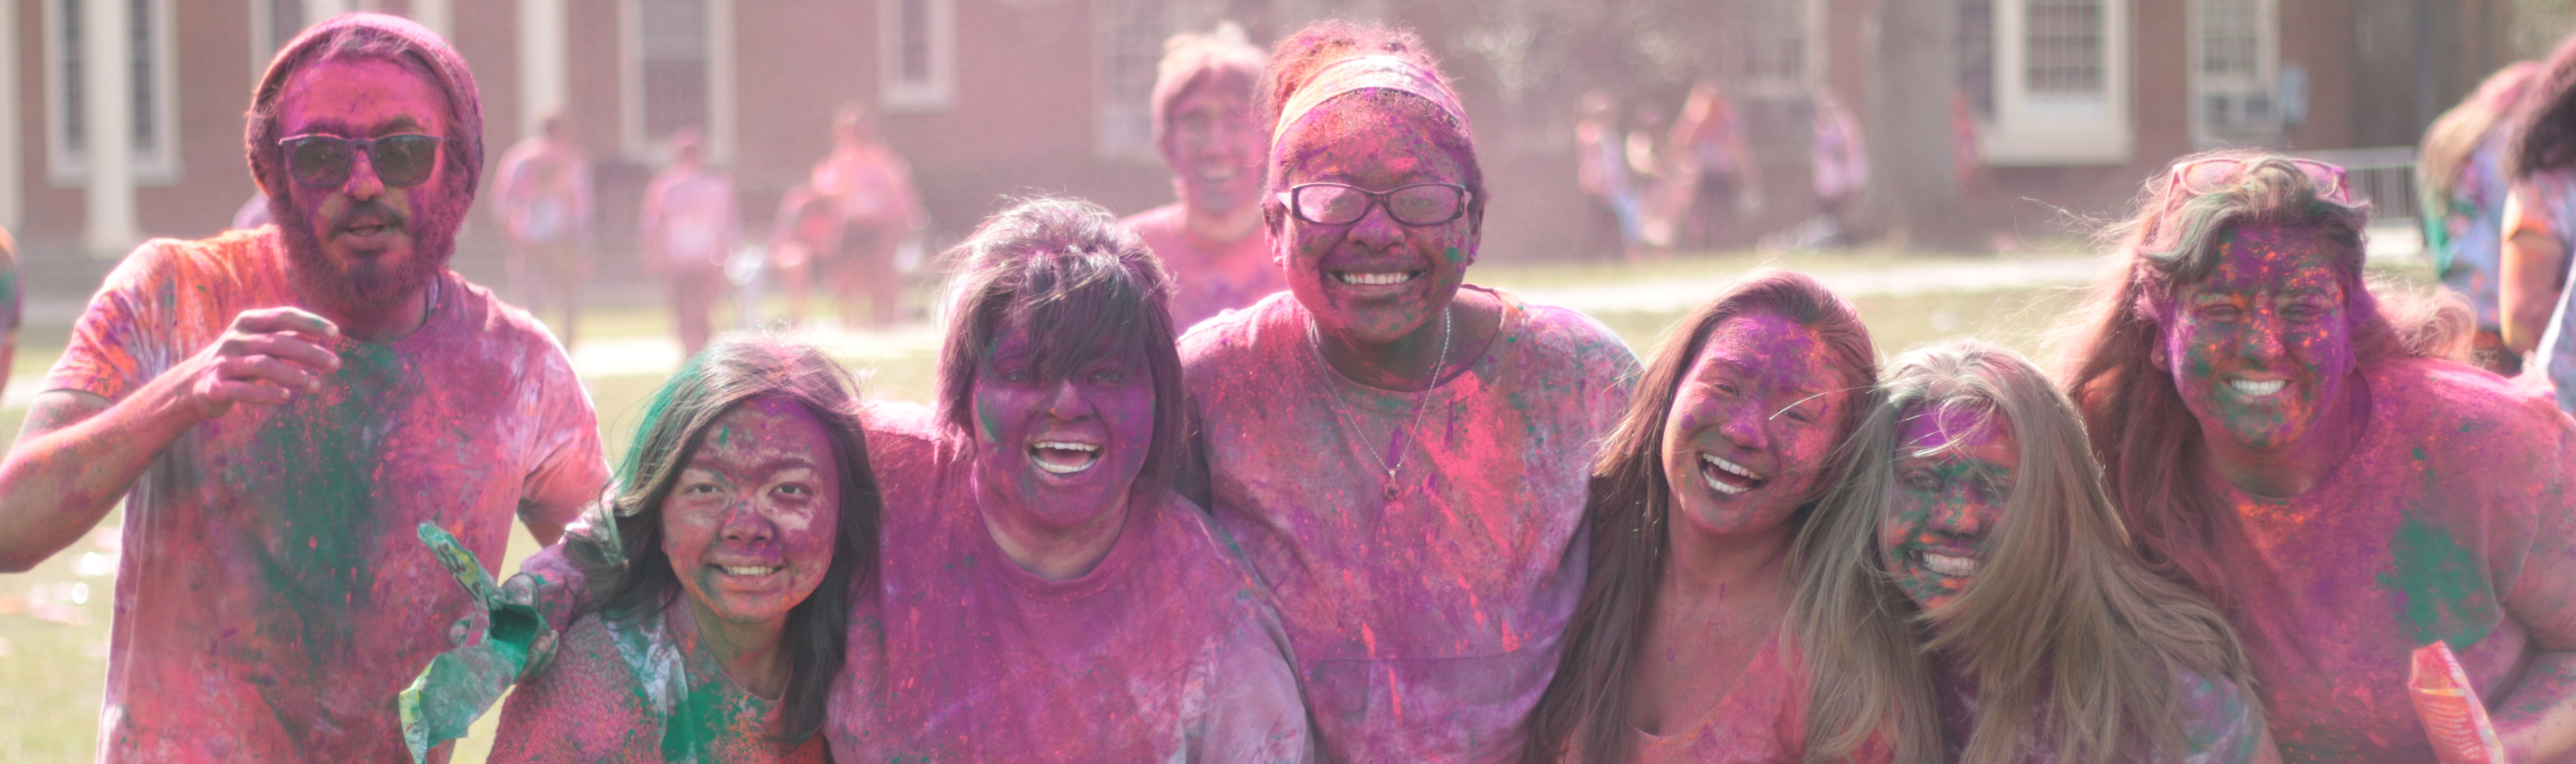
(366, 285)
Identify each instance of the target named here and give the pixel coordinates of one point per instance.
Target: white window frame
(1811, 18)
(2263, 83)
(936, 93)
(1110, 106)
(718, 122)
(2053, 130)
(263, 45)
(157, 167)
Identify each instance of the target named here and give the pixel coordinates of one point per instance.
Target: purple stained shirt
(1426, 625)
(1167, 651)
(2449, 521)
(274, 595)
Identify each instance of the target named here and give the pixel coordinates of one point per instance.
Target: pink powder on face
(1030, 423)
(367, 242)
(1214, 143)
(760, 492)
(2448, 522)
(1954, 471)
(1210, 277)
(1762, 396)
(1166, 651)
(1426, 625)
(274, 596)
(1369, 145)
(2262, 348)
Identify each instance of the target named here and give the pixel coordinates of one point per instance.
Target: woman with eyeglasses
(1677, 652)
(2295, 444)
(1401, 456)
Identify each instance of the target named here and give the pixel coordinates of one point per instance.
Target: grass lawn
(54, 619)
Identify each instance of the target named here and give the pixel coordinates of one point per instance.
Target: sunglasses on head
(2201, 176)
(315, 159)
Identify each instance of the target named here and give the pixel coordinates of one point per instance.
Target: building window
(918, 54)
(2065, 55)
(1130, 36)
(1977, 56)
(2235, 71)
(148, 63)
(1769, 65)
(2048, 78)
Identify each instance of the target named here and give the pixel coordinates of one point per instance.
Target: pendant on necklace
(1392, 489)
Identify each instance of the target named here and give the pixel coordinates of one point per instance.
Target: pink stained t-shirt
(1167, 651)
(1210, 277)
(690, 213)
(274, 595)
(2449, 521)
(635, 690)
(1426, 626)
(1761, 720)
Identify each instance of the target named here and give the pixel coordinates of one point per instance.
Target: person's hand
(264, 359)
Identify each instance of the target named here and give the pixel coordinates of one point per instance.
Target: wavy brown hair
(1585, 709)
(2062, 627)
(2458, 132)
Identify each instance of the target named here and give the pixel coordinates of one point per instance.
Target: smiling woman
(2295, 445)
(1045, 596)
(721, 583)
(1400, 455)
(1967, 504)
(1676, 652)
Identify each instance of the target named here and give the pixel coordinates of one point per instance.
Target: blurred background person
(1212, 239)
(690, 222)
(877, 207)
(807, 229)
(1841, 165)
(544, 209)
(2539, 221)
(1715, 186)
(1601, 170)
(2464, 179)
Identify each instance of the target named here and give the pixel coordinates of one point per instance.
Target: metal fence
(2384, 175)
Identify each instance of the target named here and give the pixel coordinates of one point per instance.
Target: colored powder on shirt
(1426, 625)
(1166, 651)
(2448, 521)
(2220, 727)
(274, 597)
(630, 689)
(1761, 720)
(1208, 277)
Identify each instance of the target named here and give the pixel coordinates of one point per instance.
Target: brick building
(2077, 99)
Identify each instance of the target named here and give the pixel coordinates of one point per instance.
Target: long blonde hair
(2061, 627)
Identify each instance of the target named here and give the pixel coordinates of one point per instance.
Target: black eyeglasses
(1340, 204)
(325, 160)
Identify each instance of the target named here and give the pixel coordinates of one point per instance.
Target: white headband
(1365, 73)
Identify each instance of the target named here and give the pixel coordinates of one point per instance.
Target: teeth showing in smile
(1950, 566)
(2257, 389)
(1753, 479)
(1064, 457)
(1357, 278)
(750, 570)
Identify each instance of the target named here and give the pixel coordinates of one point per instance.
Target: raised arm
(2537, 720)
(79, 453)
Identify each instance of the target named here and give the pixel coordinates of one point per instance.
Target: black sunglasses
(314, 159)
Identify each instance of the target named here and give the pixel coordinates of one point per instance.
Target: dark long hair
(1627, 504)
(1086, 287)
(2545, 127)
(634, 579)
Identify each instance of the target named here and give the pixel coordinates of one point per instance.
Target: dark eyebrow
(396, 126)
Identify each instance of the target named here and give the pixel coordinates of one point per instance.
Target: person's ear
(2157, 357)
